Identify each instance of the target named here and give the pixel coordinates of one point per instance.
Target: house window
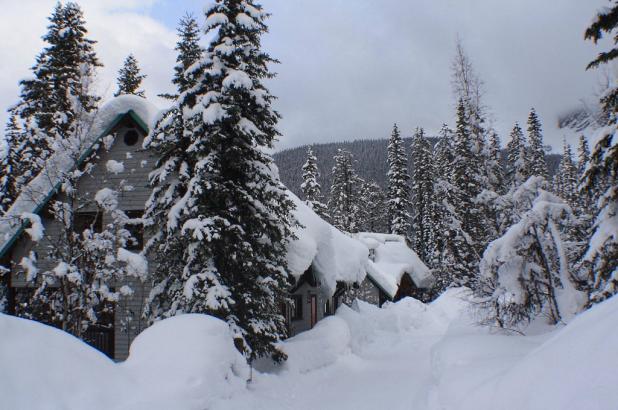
(136, 243)
(131, 137)
(87, 220)
(297, 307)
(327, 310)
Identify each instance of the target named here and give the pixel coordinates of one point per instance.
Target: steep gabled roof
(44, 186)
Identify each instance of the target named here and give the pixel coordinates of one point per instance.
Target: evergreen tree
(344, 193)
(517, 164)
(130, 79)
(465, 189)
(495, 172)
(189, 52)
(568, 178)
(225, 218)
(12, 162)
(311, 188)
(56, 100)
(538, 165)
(398, 185)
(600, 181)
(583, 155)
(422, 196)
(371, 211)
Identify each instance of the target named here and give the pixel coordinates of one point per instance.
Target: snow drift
(407, 354)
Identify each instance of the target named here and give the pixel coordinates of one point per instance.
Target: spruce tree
(12, 162)
(372, 217)
(495, 171)
(398, 185)
(55, 101)
(311, 187)
(189, 52)
(517, 164)
(465, 189)
(538, 165)
(568, 178)
(130, 79)
(600, 181)
(583, 155)
(221, 217)
(345, 189)
(422, 196)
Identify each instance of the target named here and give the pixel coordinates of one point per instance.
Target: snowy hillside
(407, 355)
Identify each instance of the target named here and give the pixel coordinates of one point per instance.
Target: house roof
(392, 258)
(44, 186)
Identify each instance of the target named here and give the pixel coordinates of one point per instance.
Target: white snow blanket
(392, 259)
(406, 355)
(336, 257)
(65, 157)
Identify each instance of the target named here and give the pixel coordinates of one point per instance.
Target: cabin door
(314, 310)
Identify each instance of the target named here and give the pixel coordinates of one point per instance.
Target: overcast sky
(351, 68)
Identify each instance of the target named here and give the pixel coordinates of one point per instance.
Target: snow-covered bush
(84, 263)
(526, 272)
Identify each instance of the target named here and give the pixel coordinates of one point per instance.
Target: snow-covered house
(322, 260)
(394, 271)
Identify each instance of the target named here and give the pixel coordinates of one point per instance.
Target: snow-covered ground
(405, 356)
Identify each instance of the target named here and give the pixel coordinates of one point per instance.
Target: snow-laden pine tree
(517, 168)
(310, 187)
(344, 202)
(398, 192)
(583, 155)
(11, 163)
(422, 187)
(495, 170)
(463, 177)
(568, 178)
(538, 165)
(86, 265)
(600, 181)
(526, 272)
(372, 217)
(221, 217)
(130, 78)
(189, 52)
(56, 99)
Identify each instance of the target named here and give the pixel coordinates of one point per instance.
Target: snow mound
(336, 257)
(189, 357)
(186, 362)
(574, 369)
(45, 368)
(392, 259)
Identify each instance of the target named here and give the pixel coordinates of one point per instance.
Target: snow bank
(187, 361)
(392, 259)
(45, 368)
(335, 256)
(575, 369)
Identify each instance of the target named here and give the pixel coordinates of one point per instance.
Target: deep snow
(407, 355)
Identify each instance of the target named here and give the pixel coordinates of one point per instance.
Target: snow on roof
(336, 257)
(392, 258)
(63, 160)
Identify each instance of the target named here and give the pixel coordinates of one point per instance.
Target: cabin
(322, 260)
(394, 271)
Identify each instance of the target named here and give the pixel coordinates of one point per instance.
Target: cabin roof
(44, 186)
(392, 259)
